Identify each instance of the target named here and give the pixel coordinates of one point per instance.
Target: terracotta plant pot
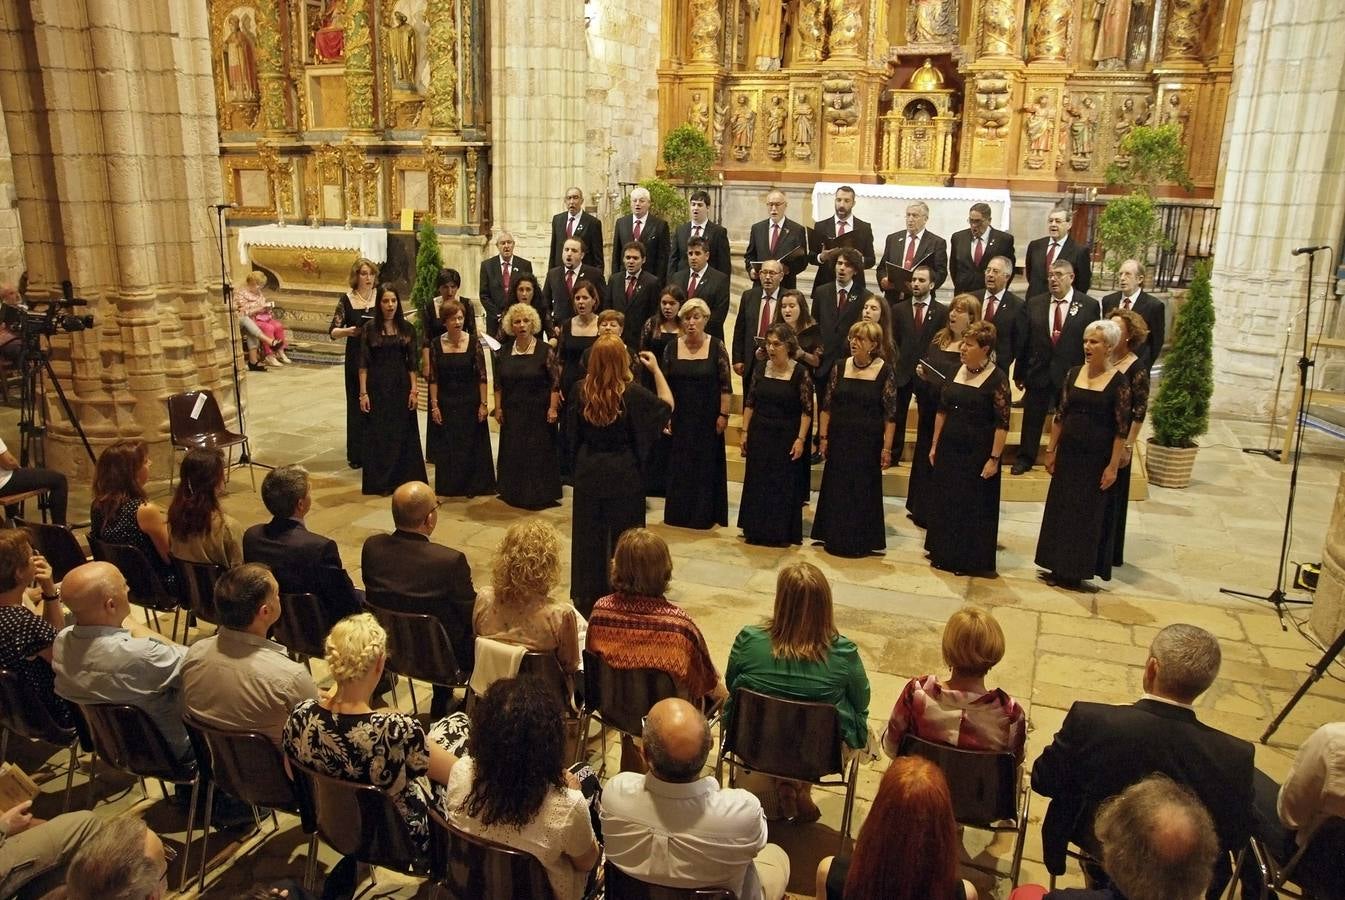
(1169, 467)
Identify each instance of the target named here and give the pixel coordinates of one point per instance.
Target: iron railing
(1188, 228)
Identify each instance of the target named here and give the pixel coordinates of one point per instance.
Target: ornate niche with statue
(919, 130)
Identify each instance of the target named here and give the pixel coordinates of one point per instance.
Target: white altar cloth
(372, 243)
(884, 206)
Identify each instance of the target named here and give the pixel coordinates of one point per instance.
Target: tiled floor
(1062, 646)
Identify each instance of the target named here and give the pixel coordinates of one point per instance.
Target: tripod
(1277, 597)
(36, 372)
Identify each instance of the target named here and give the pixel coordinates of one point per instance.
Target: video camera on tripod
(59, 316)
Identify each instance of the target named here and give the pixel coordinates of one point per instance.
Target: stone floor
(1062, 646)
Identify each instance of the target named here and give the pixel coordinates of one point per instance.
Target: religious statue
(1121, 128)
(1040, 129)
(847, 28)
(721, 122)
(698, 117)
(744, 126)
(706, 25)
(918, 140)
(240, 62)
(775, 128)
(1050, 31)
(838, 101)
(932, 21)
(803, 127)
(812, 30)
(1113, 31)
(402, 41)
(768, 22)
(1081, 133)
(1177, 115)
(992, 105)
(1185, 18)
(999, 28)
(329, 44)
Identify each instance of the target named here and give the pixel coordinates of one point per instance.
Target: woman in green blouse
(798, 654)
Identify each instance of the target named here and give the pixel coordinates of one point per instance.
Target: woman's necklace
(366, 299)
(861, 365)
(979, 369)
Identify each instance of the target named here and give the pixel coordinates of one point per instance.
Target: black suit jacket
(588, 230)
(407, 572)
(1154, 313)
(556, 296)
(642, 304)
(655, 236)
(1077, 254)
(1042, 365)
(714, 290)
(792, 235)
(717, 237)
(491, 282)
(1010, 327)
(1101, 750)
(912, 345)
(745, 331)
(967, 275)
(303, 563)
(825, 231)
(833, 324)
(932, 249)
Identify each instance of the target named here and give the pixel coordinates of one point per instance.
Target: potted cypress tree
(1180, 412)
(429, 262)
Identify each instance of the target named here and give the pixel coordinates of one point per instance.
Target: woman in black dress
(457, 379)
(777, 419)
(527, 290)
(1134, 334)
(447, 285)
(697, 367)
(944, 355)
(1083, 456)
(969, 433)
(793, 311)
(857, 424)
(389, 396)
(577, 334)
(353, 311)
(877, 311)
(527, 405)
(613, 424)
(658, 332)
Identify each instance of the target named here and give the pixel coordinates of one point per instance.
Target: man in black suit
(837, 306)
(1002, 309)
(574, 222)
(716, 237)
(914, 246)
(756, 312)
(407, 572)
(301, 561)
(634, 294)
(1133, 296)
(1057, 244)
(1100, 750)
(777, 237)
(497, 280)
(560, 281)
(971, 249)
(843, 223)
(643, 226)
(711, 285)
(914, 324)
(1053, 325)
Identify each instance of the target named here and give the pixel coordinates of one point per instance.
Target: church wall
(11, 237)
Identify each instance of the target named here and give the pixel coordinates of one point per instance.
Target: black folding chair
(23, 713)
(147, 589)
(472, 868)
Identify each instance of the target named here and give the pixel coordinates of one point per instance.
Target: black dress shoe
(354, 465)
(1020, 467)
(256, 367)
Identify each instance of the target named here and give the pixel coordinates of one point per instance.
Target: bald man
(100, 660)
(407, 572)
(675, 828)
(778, 237)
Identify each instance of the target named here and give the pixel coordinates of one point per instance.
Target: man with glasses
(778, 237)
(973, 248)
(34, 854)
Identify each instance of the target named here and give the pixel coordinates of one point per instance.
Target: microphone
(1301, 250)
(219, 206)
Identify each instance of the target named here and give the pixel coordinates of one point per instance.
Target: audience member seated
(1158, 843)
(961, 711)
(908, 847)
(121, 512)
(512, 787)
(100, 660)
(675, 828)
(1100, 750)
(125, 860)
(34, 853)
(237, 678)
(301, 561)
(410, 573)
(26, 639)
(11, 345)
(518, 608)
(199, 530)
(798, 655)
(16, 478)
(342, 736)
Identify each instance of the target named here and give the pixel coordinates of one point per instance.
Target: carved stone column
(999, 31)
(443, 53)
(271, 68)
(707, 31)
(847, 29)
(1181, 40)
(1048, 31)
(359, 67)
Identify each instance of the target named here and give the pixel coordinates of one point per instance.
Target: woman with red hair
(908, 847)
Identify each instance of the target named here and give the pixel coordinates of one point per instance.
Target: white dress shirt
(1315, 788)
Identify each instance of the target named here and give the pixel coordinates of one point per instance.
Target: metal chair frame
(1275, 877)
(184, 435)
(146, 587)
(57, 543)
(32, 721)
(611, 697)
(486, 864)
(406, 656)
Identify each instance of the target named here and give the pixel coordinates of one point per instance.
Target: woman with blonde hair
(1134, 335)
(257, 322)
(343, 736)
(353, 310)
(527, 407)
(613, 424)
(697, 366)
(518, 608)
(798, 654)
(960, 710)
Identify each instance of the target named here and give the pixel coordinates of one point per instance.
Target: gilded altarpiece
(1031, 94)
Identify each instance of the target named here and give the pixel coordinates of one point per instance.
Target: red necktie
(1127, 303)
(695, 231)
(506, 278)
(630, 287)
(765, 316)
(635, 233)
(775, 236)
(990, 307)
(569, 227)
(910, 252)
(569, 281)
(841, 296)
(1059, 324)
(840, 228)
(919, 316)
(976, 253)
(695, 283)
(1051, 254)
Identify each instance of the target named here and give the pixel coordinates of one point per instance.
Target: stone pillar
(1290, 70)
(443, 53)
(1048, 31)
(359, 48)
(11, 236)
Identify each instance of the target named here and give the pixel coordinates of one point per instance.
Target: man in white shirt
(18, 479)
(674, 828)
(842, 224)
